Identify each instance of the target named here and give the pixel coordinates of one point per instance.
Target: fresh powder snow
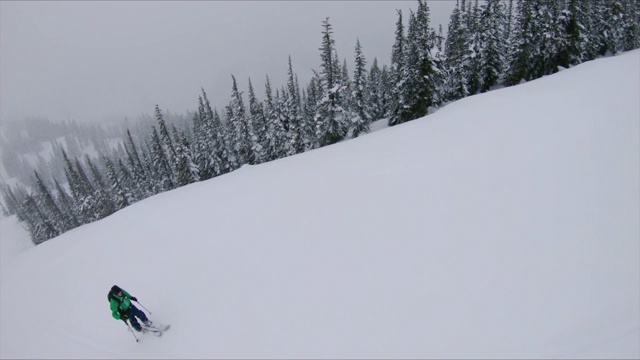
(505, 225)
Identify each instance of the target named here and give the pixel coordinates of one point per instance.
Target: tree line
(493, 44)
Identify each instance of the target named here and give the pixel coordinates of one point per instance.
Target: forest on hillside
(488, 45)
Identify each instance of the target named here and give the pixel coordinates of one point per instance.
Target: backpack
(110, 296)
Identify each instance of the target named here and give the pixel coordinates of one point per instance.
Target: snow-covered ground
(14, 239)
(506, 225)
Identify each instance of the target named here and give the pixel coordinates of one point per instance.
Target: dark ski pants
(134, 313)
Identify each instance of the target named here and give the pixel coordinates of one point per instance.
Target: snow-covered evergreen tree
(396, 72)
(275, 136)
(163, 171)
(154, 174)
(474, 61)
(50, 209)
(330, 114)
(571, 35)
(126, 181)
(492, 28)
(259, 125)
(167, 142)
(118, 193)
(631, 24)
(310, 107)
(421, 78)
(292, 111)
(142, 187)
(361, 117)
(211, 141)
(518, 66)
(186, 170)
(375, 94)
(240, 134)
(456, 56)
(94, 205)
(81, 190)
(387, 90)
(38, 224)
(105, 207)
(66, 205)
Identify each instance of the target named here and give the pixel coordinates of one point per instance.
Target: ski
(157, 326)
(156, 329)
(152, 331)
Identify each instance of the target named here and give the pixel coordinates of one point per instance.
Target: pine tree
(591, 19)
(275, 136)
(202, 153)
(410, 90)
(66, 205)
(472, 17)
(361, 118)
(240, 135)
(509, 21)
(521, 46)
(571, 36)
(614, 26)
(305, 122)
(421, 78)
(376, 101)
(456, 57)
(149, 166)
(38, 225)
(224, 151)
(105, 207)
(81, 192)
(552, 46)
(310, 126)
(136, 163)
(210, 149)
(396, 73)
(118, 193)
(330, 116)
(126, 181)
(160, 162)
(259, 124)
(142, 187)
(186, 170)
(72, 178)
(293, 111)
(631, 30)
(387, 90)
(85, 183)
(282, 102)
(492, 25)
(45, 201)
(167, 142)
(90, 206)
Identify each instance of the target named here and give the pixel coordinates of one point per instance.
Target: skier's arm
(126, 294)
(114, 310)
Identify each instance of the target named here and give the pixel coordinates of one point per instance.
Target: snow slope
(506, 225)
(14, 239)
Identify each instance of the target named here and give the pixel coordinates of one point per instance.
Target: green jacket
(120, 304)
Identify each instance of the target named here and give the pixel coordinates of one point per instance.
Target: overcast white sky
(92, 61)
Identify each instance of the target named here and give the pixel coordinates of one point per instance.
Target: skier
(123, 309)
